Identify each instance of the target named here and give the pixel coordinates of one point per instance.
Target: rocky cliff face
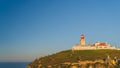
(96, 65)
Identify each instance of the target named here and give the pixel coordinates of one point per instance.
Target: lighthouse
(95, 46)
(82, 40)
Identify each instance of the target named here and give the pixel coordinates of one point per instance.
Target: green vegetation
(69, 56)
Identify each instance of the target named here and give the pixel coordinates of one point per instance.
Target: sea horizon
(13, 64)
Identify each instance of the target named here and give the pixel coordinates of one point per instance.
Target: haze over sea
(13, 64)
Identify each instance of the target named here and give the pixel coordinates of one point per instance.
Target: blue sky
(33, 28)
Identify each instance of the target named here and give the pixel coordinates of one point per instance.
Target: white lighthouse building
(82, 40)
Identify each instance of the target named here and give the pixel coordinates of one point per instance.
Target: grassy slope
(69, 56)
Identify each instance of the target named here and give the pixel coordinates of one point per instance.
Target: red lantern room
(82, 36)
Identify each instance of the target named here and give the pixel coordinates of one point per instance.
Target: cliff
(68, 57)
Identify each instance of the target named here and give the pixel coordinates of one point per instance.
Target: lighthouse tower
(82, 40)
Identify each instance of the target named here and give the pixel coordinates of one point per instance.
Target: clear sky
(34, 28)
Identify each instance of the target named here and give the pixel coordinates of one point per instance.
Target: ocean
(13, 64)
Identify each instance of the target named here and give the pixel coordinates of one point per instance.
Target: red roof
(102, 44)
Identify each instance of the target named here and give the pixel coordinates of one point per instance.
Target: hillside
(69, 56)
